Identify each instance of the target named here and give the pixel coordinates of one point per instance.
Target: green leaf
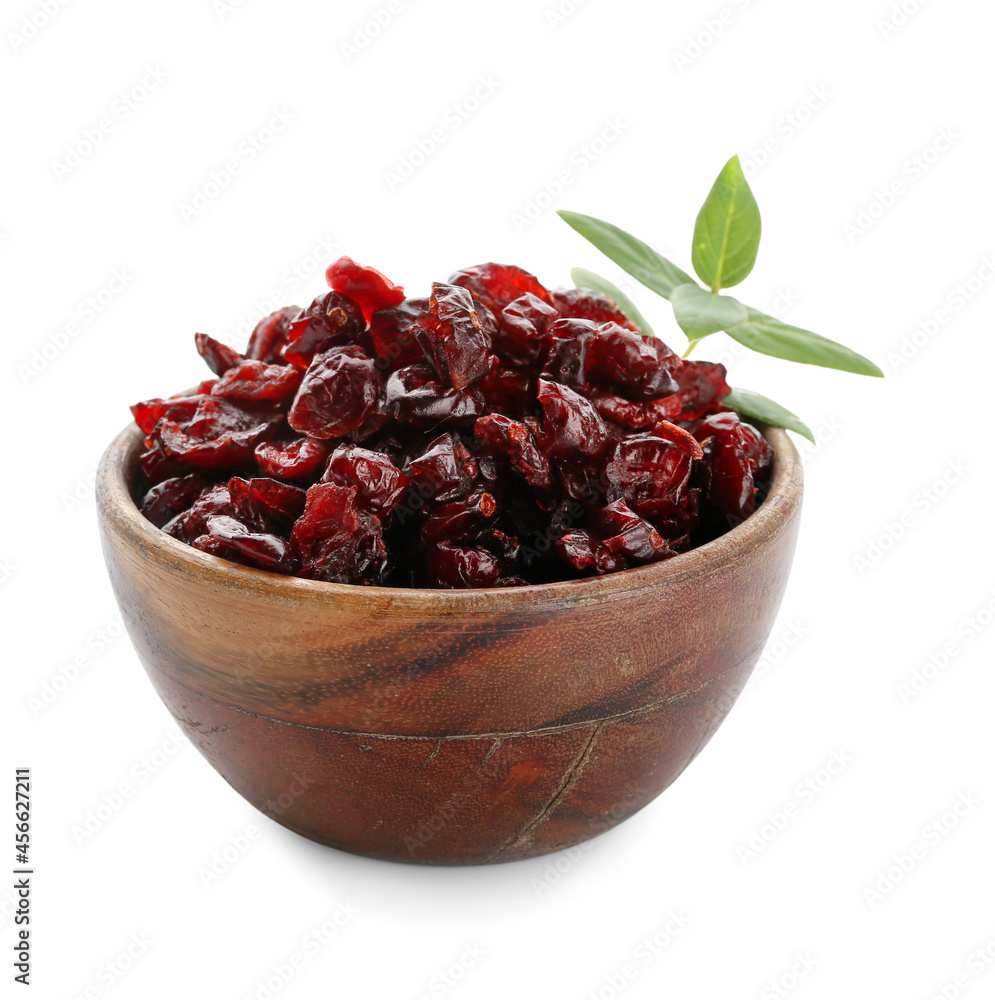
(588, 279)
(752, 404)
(632, 255)
(767, 335)
(699, 312)
(727, 230)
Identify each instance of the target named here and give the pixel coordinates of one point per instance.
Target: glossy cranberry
(380, 485)
(498, 284)
(257, 382)
(394, 342)
(230, 539)
(218, 356)
(332, 320)
(452, 338)
(574, 430)
(582, 303)
(339, 394)
(640, 367)
(364, 285)
(270, 336)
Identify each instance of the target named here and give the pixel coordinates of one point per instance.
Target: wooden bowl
(449, 727)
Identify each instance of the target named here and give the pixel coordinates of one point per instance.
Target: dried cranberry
(265, 504)
(301, 458)
(335, 540)
(523, 324)
(218, 434)
(218, 356)
(463, 567)
(231, 539)
(626, 534)
(736, 452)
(459, 521)
(257, 382)
(380, 485)
(338, 395)
(701, 385)
(364, 285)
(639, 367)
(393, 340)
(270, 335)
(516, 441)
(444, 471)
(331, 320)
(452, 338)
(585, 551)
(649, 473)
(413, 394)
(565, 349)
(498, 284)
(573, 427)
(191, 523)
(167, 499)
(510, 391)
(582, 303)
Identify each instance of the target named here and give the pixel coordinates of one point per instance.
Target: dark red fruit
(493, 435)
(463, 567)
(515, 441)
(301, 458)
(335, 541)
(582, 303)
(573, 428)
(265, 504)
(331, 320)
(391, 331)
(452, 338)
(414, 395)
(231, 539)
(380, 485)
(218, 356)
(339, 394)
(257, 382)
(498, 284)
(638, 366)
(270, 336)
(364, 285)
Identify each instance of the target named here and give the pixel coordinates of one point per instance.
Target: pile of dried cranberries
(495, 434)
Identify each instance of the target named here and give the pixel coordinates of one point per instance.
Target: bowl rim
(120, 516)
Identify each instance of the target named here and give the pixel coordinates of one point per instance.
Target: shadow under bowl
(449, 727)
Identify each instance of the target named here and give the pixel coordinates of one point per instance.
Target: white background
(893, 566)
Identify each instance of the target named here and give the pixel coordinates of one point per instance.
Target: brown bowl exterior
(449, 727)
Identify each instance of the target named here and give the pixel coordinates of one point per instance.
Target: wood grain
(504, 723)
